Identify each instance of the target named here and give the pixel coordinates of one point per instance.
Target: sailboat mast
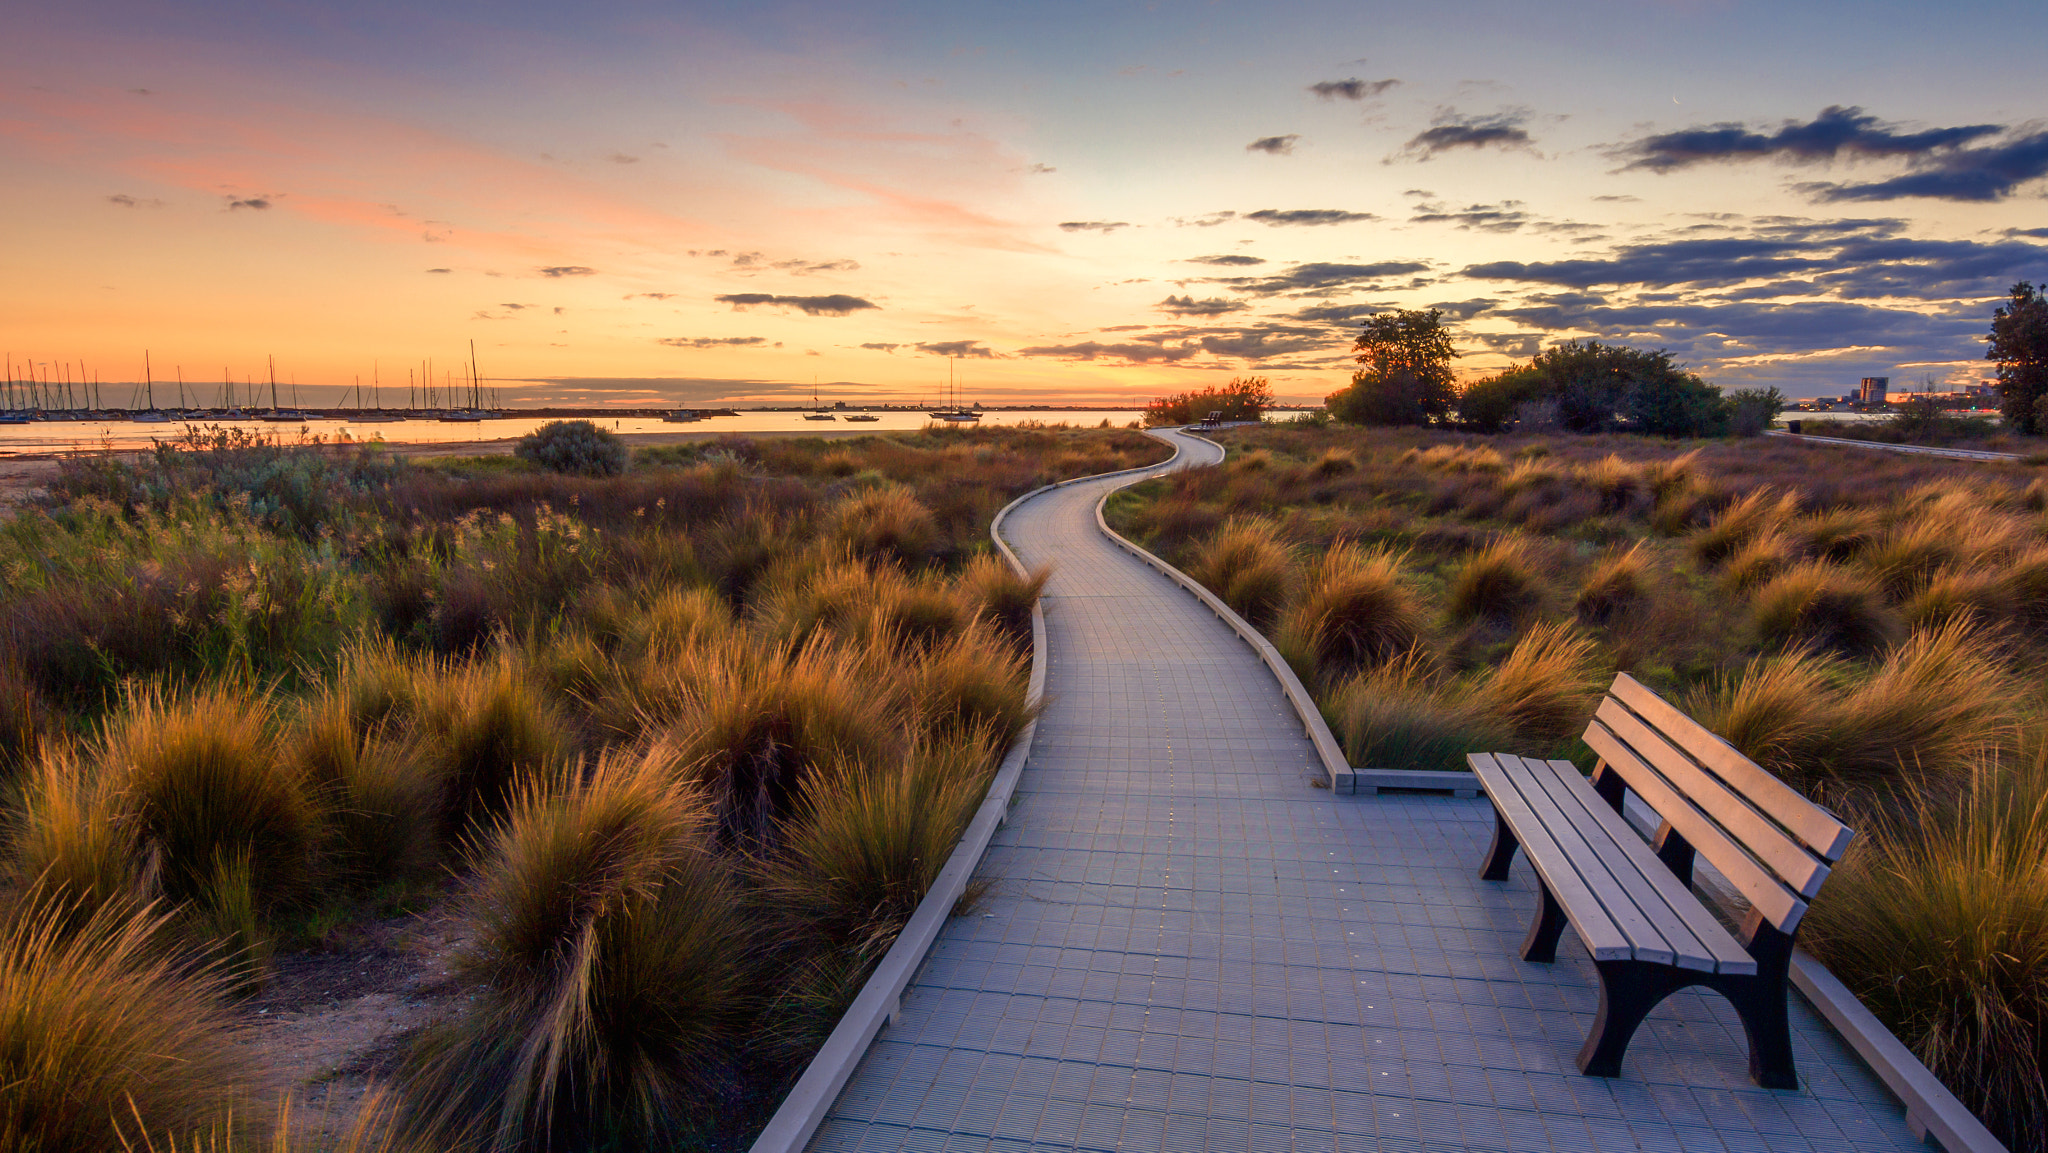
(148, 381)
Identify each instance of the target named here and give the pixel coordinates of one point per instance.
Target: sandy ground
(333, 1024)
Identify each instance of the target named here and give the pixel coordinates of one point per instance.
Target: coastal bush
(1248, 567)
(576, 447)
(1355, 612)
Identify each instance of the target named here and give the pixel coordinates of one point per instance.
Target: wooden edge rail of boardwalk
(1184, 947)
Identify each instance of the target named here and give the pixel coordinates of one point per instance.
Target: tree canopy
(2019, 345)
(1586, 386)
(1404, 374)
(1244, 398)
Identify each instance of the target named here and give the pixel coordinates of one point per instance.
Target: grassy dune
(678, 750)
(1872, 629)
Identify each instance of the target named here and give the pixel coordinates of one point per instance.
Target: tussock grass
(482, 727)
(73, 851)
(1981, 598)
(1334, 462)
(1824, 607)
(1671, 476)
(1938, 920)
(1356, 611)
(1546, 689)
(1499, 583)
(202, 786)
(1619, 484)
(1760, 560)
(613, 959)
(1835, 534)
(379, 792)
(1935, 703)
(1614, 588)
(971, 684)
(1903, 560)
(751, 728)
(1248, 567)
(887, 524)
(1762, 511)
(681, 619)
(1004, 595)
(103, 1035)
(1397, 717)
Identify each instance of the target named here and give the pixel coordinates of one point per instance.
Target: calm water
(69, 436)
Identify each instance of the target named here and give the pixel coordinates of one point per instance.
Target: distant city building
(1875, 389)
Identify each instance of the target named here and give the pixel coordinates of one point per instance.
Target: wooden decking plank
(1723, 953)
(1602, 938)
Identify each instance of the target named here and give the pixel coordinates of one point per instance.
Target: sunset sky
(682, 203)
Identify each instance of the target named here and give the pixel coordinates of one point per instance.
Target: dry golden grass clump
(1003, 594)
(1248, 567)
(1499, 583)
(887, 524)
(102, 1032)
(1938, 920)
(1762, 511)
(1546, 688)
(1356, 611)
(1614, 588)
(484, 725)
(612, 958)
(1824, 607)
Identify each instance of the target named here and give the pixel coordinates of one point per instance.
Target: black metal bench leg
(1540, 945)
(1502, 853)
(1628, 991)
(1767, 1021)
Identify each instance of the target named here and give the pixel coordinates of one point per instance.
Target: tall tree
(2019, 344)
(1404, 374)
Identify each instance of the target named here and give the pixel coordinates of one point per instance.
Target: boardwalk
(1188, 947)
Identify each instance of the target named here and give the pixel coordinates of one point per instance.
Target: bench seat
(1631, 901)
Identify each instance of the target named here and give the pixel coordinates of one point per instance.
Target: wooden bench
(1632, 902)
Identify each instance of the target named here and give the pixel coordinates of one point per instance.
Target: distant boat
(682, 416)
(378, 416)
(284, 416)
(956, 414)
(861, 417)
(819, 412)
(462, 417)
(15, 416)
(149, 417)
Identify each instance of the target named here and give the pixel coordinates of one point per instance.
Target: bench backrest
(1772, 844)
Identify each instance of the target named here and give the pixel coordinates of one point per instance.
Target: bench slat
(1776, 903)
(1726, 954)
(1805, 820)
(1588, 919)
(1800, 870)
(1655, 938)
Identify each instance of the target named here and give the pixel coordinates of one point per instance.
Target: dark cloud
(559, 310)
(1267, 342)
(1453, 129)
(837, 304)
(881, 347)
(1093, 225)
(1836, 132)
(1352, 89)
(1338, 313)
(1507, 216)
(126, 201)
(2040, 232)
(1189, 306)
(1210, 221)
(1274, 145)
(1516, 344)
(1979, 174)
(1307, 217)
(560, 270)
(1465, 309)
(1322, 277)
(1846, 263)
(1230, 260)
(756, 260)
(1096, 350)
(440, 270)
(258, 203)
(518, 307)
(649, 296)
(1740, 329)
(965, 349)
(712, 341)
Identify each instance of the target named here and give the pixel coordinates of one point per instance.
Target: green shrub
(576, 447)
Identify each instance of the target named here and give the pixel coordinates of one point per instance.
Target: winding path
(1187, 947)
